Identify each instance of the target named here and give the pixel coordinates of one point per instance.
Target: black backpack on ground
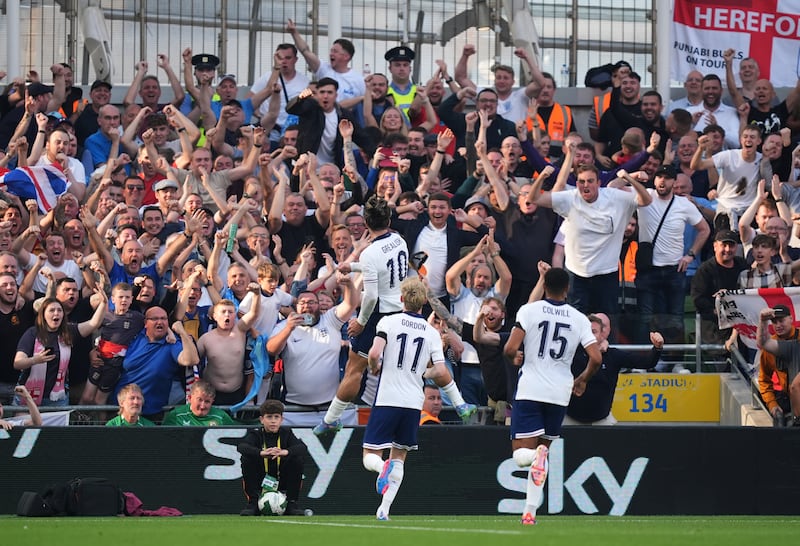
(78, 497)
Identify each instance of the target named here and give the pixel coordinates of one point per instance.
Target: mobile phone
(347, 194)
(386, 151)
(308, 319)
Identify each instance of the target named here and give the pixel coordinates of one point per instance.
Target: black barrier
(458, 470)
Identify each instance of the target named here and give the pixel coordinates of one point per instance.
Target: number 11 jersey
(410, 344)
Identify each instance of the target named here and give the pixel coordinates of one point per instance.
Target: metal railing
(575, 35)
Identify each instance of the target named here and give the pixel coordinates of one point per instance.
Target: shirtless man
(224, 349)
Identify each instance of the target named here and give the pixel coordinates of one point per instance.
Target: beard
(478, 293)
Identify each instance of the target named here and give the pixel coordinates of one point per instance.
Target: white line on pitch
(398, 527)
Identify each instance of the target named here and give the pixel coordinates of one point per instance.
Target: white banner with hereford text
(765, 30)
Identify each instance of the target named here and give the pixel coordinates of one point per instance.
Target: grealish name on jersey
(392, 245)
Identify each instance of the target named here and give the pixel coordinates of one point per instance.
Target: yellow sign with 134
(667, 397)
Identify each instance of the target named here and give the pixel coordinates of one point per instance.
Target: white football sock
(523, 456)
(453, 393)
(335, 410)
(373, 461)
(395, 479)
(533, 496)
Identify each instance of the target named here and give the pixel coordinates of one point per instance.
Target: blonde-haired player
(407, 343)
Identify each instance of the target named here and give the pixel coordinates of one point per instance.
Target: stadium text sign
(677, 398)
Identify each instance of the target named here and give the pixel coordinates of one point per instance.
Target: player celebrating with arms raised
(383, 265)
(407, 343)
(551, 331)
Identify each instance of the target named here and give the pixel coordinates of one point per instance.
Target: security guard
(401, 89)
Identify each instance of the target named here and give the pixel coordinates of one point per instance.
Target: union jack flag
(44, 183)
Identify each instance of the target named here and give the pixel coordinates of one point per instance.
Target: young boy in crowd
(764, 273)
(118, 330)
(275, 450)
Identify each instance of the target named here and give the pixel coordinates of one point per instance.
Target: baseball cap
(37, 89)
(101, 83)
(476, 200)
(667, 171)
(231, 77)
(726, 235)
(164, 184)
(781, 311)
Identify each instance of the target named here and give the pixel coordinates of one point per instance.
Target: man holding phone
(309, 343)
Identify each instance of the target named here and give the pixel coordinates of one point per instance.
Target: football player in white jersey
(383, 266)
(551, 331)
(407, 343)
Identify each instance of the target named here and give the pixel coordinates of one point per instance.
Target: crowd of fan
(191, 231)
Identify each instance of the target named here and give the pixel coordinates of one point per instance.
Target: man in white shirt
(595, 221)
(466, 302)
(712, 111)
(660, 290)
(694, 93)
(383, 266)
(739, 173)
(309, 343)
(512, 103)
(292, 82)
(351, 83)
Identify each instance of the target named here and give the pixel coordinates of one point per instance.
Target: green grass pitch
(402, 530)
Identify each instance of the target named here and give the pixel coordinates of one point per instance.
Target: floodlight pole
(12, 39)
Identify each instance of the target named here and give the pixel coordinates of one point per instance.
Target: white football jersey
(410, 344)
(553, 332)
(384, 265)
(312, 352)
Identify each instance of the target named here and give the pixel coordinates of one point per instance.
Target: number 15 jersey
(553, 331)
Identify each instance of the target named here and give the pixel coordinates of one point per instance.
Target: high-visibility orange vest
(627, 276)
(601, 104)
(425, 417)
(627, 267)
(557, 126)
(75, 105)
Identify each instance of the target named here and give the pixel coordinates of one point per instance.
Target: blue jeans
(471, 385)
(597, 294)
(660, 293)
